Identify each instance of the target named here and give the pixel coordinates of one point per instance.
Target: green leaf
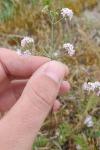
(81, 141)
(92, 102)
(97, 134)
(41, 141)
(64, 131)
(47, 2)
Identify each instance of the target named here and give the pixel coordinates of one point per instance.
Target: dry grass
(85, 66)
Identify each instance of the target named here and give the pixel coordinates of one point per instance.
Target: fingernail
(67, 85)
(56, 71)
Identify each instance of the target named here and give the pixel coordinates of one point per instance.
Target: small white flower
(85, 86)
(88, 121)
(23, 53)
(92, 86)
(66, 12)
(27, 40)
(27, 52)
(78, 147)
(97, 84)
(69, 48)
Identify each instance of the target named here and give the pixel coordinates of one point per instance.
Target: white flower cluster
(27, 40)
(24, 43)
(92, 86)
(88, 121)
(69, 48)
(66, 12)
(25, 53)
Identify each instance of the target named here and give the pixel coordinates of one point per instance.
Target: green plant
(6, 9)
(82, 141)
(41, 141)
(64, 131)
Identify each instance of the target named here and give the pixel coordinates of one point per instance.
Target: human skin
(29, 86)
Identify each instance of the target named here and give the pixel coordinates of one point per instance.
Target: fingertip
(65, 87)
(67, 71)
(56, 106)
(56, 70)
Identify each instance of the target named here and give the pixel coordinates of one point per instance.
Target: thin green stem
(53, 23)
(52, 37)
(59, 20)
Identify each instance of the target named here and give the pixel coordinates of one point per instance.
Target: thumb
(28, 114)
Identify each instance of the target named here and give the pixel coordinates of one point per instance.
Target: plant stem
(52, 37)
(59, 20)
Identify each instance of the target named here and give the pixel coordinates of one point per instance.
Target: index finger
(20, 66)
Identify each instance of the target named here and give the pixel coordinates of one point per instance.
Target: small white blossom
(88, 121)
(89, 86)
(97, 84)
(69, 48)
(27, 40)
(78, 147)
(85, 86)
(27, 52)
(92, 86)
(23, 53)
(66, 12)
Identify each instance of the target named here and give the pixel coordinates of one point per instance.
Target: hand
(30, 84)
